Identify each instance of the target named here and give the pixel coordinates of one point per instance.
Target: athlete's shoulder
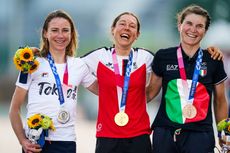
(168, 51)
(98, 51)
(76, 63)
(140, 49)
(74, 60)
(42, 61)
(206, 54)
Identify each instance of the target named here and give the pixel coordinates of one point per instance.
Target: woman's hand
(216, 53)
(36, 51)
(28, 147)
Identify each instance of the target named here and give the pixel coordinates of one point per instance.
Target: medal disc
(189, 111)
(121, 119)
(63, 116)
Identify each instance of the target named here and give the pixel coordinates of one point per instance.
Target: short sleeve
(156, 64)
(88, 77)
(92, 59)
(24, 85)
(220, 73)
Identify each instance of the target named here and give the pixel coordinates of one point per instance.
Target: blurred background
(21, 23)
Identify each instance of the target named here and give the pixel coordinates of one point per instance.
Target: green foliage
(224, 126)
(218, 9)
(4, 60)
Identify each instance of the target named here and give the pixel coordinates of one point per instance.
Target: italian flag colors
(176, 99)
(203, 72)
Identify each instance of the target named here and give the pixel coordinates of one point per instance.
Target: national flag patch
(203, 69)
(203, 73)
(45, 74)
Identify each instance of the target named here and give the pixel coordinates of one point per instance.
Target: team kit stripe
(176, 99)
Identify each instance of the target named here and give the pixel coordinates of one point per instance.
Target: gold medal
(189, 111)
(63, 116)
(121, 118)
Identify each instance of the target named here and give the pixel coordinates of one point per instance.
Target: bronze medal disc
(189, 111)
(63, 116)
(121, 119)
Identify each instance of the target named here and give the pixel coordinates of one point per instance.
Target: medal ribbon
(57, 78)
(122, 94)
(195, 73)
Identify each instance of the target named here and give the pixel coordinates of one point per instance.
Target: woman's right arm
(154, 87)
(94, 87)
(15, 118)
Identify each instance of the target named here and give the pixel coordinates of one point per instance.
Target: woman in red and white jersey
(122, 71)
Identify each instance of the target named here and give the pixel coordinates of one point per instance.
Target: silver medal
(63, 116)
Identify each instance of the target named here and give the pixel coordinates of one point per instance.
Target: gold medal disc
(189, 111)
(121, 119)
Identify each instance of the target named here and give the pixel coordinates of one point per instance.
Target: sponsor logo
(109, 64)
(170, 67)
(134, 65)
(99, 127)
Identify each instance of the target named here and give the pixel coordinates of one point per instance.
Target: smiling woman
(185, 114)
(52, 90)
(122, 72)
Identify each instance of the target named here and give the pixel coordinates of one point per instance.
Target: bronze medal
(63, 116)
(189, 111)
(121, 118)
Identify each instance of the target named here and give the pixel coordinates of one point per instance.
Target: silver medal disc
(63, 116)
